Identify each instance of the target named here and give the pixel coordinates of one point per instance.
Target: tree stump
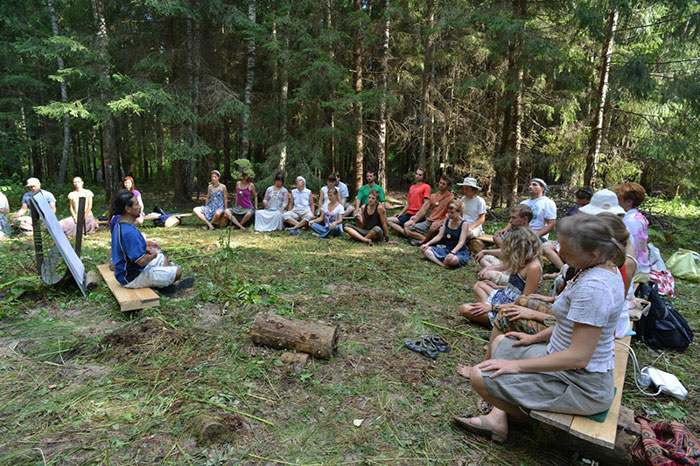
(275, 331)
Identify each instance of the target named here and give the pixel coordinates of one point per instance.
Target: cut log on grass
(308, 337)
(207, 429)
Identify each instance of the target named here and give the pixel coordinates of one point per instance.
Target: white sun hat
(470, 182)
(603, 201)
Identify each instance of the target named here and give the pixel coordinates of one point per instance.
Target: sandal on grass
(438, 342)
(484, 429)
(423, 347)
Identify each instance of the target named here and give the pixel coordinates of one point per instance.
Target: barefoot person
(301, 209)
(275, 203)
(567, 368)
(455, 232)
(215, 204)
(520, 258)
(242, 214)
(330, 222)
(25, 221)
(425, 230)
(136, 263)
(520, 216)
(363, 194)
(372, 225)
(69, 224)
(474, 206)
(418, 198)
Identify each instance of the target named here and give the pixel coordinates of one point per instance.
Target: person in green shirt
(363, 194)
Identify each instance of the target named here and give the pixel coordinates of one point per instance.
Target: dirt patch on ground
(139, 333)
(210, 314)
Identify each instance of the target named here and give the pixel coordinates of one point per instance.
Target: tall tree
(111, 166)
(358, 164)
(382, 146)
(590, 176)
(64, 99)
(250, 76)
(426, 79)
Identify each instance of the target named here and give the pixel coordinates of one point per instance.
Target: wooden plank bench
(486, 239)
(599, 433)
(129, 299)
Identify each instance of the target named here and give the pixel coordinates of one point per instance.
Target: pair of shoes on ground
(485, 429)
(428, 345)
(179, 286)
(414, 242)
(294, 232)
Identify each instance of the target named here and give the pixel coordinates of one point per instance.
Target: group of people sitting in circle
(545, 352)
(555, 352)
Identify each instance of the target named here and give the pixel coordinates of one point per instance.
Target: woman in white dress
(275, 203)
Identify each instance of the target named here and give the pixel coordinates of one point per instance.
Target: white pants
(155, 275)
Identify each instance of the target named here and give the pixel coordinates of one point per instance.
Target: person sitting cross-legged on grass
(300, 210)
(454, 232)
(489, 259)
(418, 199)
(567, 368)
(215, 204)
(138, 264)
(521, 259)
(372, 225)
(330, 222)
(425, 230)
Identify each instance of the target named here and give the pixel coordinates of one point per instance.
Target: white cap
(603, 201)
(34, 182)
(470, 182)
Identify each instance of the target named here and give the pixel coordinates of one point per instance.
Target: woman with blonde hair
(520, 257)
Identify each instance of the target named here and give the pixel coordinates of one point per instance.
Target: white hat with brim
(33, 182)
(603, 201)
(470, 182)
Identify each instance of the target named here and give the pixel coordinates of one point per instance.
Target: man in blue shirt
(138, 264)
(25, 221)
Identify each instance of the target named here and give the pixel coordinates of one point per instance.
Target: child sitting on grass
(520, 256)
(454, 231)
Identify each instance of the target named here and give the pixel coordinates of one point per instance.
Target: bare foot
(369, 242)
(464, 371)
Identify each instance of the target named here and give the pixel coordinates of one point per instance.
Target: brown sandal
(484, 429)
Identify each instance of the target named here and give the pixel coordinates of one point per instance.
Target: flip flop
(438, 342)
(423, 347)
(484, 429)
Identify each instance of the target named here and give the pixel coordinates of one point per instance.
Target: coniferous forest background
(575, 92)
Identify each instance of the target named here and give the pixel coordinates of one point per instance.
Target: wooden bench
(486, 239)
(599, 433)
(129, 299)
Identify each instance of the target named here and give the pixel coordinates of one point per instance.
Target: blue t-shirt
(27, 198)
(126, 251)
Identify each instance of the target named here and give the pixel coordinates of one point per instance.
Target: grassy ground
(83, 383)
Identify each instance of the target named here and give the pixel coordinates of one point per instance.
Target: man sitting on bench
(136, 263)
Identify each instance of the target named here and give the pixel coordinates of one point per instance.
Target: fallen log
(308, 337)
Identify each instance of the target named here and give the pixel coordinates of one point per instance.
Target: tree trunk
(272, 330)
(427, 75)
(284, 97)
(64, 99)
(250, 75)
(359, 135)
(590, 175)
(111, 161)
(382, 152)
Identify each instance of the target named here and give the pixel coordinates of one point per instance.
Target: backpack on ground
(663, 327)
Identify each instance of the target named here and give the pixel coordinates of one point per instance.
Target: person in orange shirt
(427, 229)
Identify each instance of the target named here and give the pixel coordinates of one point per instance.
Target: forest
(575, 92)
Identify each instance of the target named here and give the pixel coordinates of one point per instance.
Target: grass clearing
(83, 383)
